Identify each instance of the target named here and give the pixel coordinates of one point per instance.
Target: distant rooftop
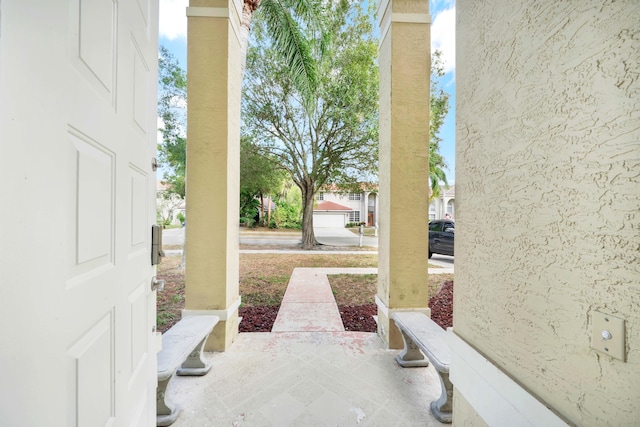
(330, 206)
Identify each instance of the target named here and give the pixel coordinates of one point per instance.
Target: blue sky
(173, 35)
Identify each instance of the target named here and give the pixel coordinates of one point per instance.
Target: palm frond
(293, 26)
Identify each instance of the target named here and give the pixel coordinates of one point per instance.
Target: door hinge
(154, 164)
(156, 244)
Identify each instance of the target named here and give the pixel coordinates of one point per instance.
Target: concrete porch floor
(307, 373)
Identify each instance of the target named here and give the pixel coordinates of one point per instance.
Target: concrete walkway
(307, 372)
(308, 304)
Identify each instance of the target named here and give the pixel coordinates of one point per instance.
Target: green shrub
(248, 205)
(247, 222)
(286, 216)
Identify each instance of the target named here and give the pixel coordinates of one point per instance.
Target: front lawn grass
(360, 289)
(264, 279)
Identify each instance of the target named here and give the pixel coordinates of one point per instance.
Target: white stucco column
(376, 221)
(364, 208)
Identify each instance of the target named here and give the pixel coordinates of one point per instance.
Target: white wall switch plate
(608, 335)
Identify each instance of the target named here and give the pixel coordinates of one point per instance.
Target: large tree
(336, 139)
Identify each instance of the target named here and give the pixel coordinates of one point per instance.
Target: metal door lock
(156, 245)
(157, 284)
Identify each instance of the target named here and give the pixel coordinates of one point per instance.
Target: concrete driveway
(342, 237)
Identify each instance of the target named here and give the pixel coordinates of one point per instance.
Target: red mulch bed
(354, 317)
(441, 305)
(258, 319)
(359, 318)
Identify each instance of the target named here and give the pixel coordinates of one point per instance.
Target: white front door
(77, 138)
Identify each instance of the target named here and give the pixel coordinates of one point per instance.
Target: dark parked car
(441, 237)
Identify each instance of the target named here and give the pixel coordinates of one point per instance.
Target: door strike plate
(608, 335)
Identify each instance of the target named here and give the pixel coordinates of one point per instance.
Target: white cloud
(173, 18)
(443, 37)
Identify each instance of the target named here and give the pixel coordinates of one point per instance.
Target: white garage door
(329, 219)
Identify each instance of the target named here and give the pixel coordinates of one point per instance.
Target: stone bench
(423, 337)
(181, 352)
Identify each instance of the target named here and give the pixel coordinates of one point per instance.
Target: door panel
(93, 183)
(92, 207)
(93, 374)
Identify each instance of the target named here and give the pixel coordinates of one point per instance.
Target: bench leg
(195, 364)
(411, 356)
(166, 411)
(441, 408)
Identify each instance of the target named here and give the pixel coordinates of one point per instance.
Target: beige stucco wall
(548, 197)
(404, 156)
(213, 158)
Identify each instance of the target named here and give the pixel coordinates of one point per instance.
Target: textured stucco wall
(404, 160)
(548, 196)
(213, 156)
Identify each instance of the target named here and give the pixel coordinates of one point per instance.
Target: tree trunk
(261, 216)
(248, 7)
(269, 210)
(308, 236)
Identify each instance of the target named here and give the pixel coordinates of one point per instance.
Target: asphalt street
(339, 237)
(326, 236)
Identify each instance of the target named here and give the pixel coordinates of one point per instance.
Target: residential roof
(451, 191)
(331, 206)
(447, 192)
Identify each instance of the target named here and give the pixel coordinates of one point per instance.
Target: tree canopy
(335, 141)
(288, 22)
(258, 177)
(296, 31)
